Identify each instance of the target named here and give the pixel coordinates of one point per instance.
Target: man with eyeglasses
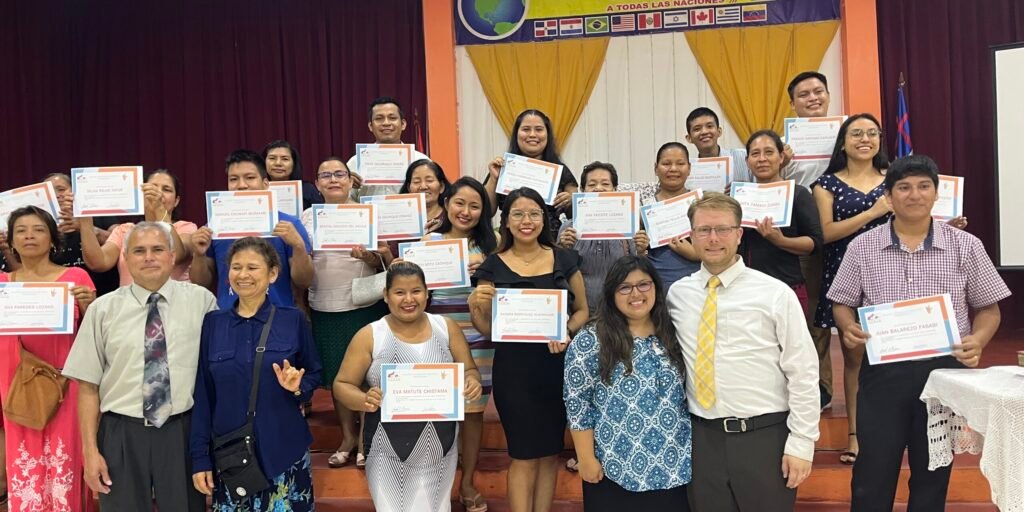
(809, 97)
(751, 372)
(386, 123)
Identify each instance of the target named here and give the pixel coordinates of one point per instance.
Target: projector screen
(1009, 134)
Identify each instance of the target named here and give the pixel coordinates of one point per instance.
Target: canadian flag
(649, 21)
(700, 17)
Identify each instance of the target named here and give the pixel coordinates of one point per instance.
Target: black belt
(733, 425)
(144, 421)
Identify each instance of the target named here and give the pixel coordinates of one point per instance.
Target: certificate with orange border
(445, 263)
(668, 219)
(343, 227)
(422, 392)
(520, 171)
(812, 138)
(911, 329)
(40, 195)
(36, 308)
(530, 316)
(241, 213)
(710, 174)
(107, 191)
(289, 196)
(949, 202)
(605, 215)
(383, 164)
(399, 216)
(760, 200)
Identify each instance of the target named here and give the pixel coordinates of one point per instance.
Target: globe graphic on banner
(492, 19)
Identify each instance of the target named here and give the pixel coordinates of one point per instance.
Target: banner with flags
(903, 144)
(517, 21)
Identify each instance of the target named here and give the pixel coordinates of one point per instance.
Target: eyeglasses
(705, 231)
(341, 175)
(642, 287)
(872, 133)
(518, 215)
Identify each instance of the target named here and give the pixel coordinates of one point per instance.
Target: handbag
(36, 392)
(234, 453)
(370, 289)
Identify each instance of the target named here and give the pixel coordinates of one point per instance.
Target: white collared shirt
(765, 361)
(378, 190)
(804, 172)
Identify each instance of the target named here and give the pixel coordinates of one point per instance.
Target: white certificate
(399, 216)
(422, 392)
(241, 213)
(532, 316)
(40, 195)
(343, 227)
(520, 171)
(289, 196)
(760, 200)
(383, 164)
(911, 329)
(668, 219)
(950, 200)
(711, 174)
(605, 215)
(36, 308)
(445, 263)
(813, 138)
(107, 191)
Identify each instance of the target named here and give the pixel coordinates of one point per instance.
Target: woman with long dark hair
(527, 376)
(284, 164)
(629, 351)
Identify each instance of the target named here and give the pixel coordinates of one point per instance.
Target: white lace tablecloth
(969, 410)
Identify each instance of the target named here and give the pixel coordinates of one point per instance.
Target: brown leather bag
(36, 393)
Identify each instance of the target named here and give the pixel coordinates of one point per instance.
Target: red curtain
(943, 48)
(181, 83)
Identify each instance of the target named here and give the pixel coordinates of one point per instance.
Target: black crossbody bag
(234, 453)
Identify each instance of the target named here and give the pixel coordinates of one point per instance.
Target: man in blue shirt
(246, 170)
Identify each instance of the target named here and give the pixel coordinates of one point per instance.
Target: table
(969, 410)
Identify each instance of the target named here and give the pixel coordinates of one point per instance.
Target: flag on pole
(903, 145)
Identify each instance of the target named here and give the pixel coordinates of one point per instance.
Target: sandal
(474, 504)
(572, 465)
(848, 457)
(340, 458)
(3, 497)
(360, 461)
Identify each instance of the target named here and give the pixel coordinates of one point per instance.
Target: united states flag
(624, 23)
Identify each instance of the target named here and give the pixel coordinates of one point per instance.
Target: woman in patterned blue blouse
(624, 397)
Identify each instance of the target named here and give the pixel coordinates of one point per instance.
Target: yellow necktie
(705, 365)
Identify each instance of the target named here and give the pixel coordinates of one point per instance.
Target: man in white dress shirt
(751, 372)
(387, 122)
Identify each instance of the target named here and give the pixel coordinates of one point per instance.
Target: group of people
(692, 376)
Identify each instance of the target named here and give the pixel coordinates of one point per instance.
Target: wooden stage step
(365, 505)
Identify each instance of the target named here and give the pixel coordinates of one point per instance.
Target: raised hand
(288, 376)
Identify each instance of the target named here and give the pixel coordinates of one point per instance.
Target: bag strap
(260, 349)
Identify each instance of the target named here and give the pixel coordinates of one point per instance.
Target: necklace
(531, 260)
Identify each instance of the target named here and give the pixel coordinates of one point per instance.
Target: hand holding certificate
(812, 138)
(343, 227)
(107, 191)
(445, 263)
(40, 195)
(710, 174)
(667, 220)
(950, 201)
(241, 213)
(383, 164)
(422, 392)
(399, 216)
(908, 330)
(36, 308)
(289, 196)
(534, 316)
(520, 171)
(760, 200)
(605, 215)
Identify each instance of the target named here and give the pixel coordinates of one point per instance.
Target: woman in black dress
(527, 377)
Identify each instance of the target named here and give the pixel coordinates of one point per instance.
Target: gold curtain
(555, 77)
(749, 68)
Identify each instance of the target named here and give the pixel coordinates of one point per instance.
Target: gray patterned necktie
(156, 380)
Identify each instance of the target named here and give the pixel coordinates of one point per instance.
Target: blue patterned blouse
(640, 421)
